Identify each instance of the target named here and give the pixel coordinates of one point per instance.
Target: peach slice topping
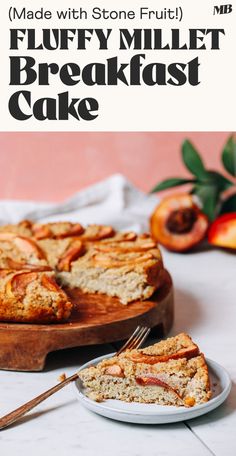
(74, 230)
(102, 233)
(46, 231)
(125, 249)
(50, 283)
(74, 251)
(24, 244)
(6, 236)
(149, 381)
(29, 246)
(5, 272)
(155, 381)
(19, 282)
(125, 237)
(16, 265)
(153, 359)
(41, 232)
(131, 236)
(26, 224)
(107, 261)
(114, 370)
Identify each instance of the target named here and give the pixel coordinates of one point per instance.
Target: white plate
(157, 414)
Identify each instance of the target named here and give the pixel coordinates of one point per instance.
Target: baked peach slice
(19, 266)
(29, 247)
(41, 232)
(153, 380)
(98, 232)
(25, 245)
(58, 230)
(222, 232)
(125, 247)
(75, 250)
(178, 223)
(7, 236)
(115, 371)
(18, 283)
(145, 358)
(50, 284)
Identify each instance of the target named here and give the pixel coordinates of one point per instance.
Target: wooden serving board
(96, 319)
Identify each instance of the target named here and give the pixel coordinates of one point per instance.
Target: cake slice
(32, 296)
(129, 270)
(96, 259)
(125, 265)
(178, 377)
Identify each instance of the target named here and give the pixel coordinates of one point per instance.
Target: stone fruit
(222, 232)
(178, 223)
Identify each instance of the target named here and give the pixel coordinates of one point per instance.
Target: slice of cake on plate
(171, 372)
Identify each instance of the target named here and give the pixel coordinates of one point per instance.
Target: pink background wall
(51, 166)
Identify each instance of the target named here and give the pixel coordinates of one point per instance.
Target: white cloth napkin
(114, 201)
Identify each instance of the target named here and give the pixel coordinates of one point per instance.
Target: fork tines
(136, 339)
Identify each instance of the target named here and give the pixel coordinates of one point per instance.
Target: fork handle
(11, 417)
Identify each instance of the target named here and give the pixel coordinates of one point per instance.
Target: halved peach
(222, 232)
(178, 223)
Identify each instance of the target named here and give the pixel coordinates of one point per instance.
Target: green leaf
(193, 161)
(229, 156)
(209, 197)
(229, 205)
(169, 183)
(218, 180)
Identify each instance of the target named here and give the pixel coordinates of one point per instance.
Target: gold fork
(135, 341)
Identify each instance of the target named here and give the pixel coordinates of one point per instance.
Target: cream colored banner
(178, 70)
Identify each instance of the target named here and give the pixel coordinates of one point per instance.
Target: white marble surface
(205, 288)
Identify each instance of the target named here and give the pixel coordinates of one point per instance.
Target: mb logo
(223, 9)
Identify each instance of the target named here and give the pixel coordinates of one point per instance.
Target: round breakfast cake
(37, 260)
